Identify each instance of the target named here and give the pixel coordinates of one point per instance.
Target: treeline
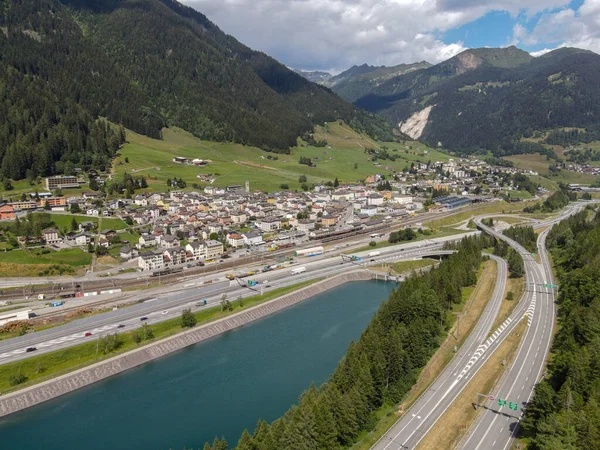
(145, 65)
(30, 227)
(523, 148)
(524, 183)
(516, 268)
(557, 200)
(524, 235)
(565, 410)
(500, 162)
(402, 236)
(378, 369)
(573, 136)
(482, 108)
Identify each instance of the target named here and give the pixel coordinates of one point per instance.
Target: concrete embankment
(64, 384)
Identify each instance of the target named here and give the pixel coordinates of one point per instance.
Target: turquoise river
(218, 387)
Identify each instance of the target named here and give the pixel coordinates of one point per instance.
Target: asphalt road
(170, 306)
(410, 429)
(426, 411)
(497, 425)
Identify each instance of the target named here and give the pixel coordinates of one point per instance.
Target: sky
(333, 35)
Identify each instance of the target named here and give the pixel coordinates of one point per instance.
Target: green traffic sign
(513, 406)
(501, 402)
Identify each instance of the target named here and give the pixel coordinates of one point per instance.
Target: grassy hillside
(540, 164)
(234, 163)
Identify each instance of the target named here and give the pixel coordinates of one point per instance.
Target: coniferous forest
(564, 412)
(143, 64)
(380, 368)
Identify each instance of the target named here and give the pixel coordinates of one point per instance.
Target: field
(33, 263)
(234, 163)
(23, 186)
(487, 208)
(63, 221)
(73, 257)
(539, 164)
(521, 195)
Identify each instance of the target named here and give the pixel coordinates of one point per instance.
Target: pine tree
(245, 442)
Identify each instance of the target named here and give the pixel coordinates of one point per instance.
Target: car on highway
(88, 334)
(121, 326)
(30, 349)
(143, 318)
(166, 311)
(372, 259)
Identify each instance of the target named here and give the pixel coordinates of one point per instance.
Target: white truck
(372, 254)
(298, 270)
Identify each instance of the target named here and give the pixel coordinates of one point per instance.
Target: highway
(537, 306)
(426, 411)
(497, 425)
(169, 307)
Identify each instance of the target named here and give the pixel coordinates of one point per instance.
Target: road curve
(408, 431)
(416, 423)
(497, 425)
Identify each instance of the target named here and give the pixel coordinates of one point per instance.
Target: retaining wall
(64, 384)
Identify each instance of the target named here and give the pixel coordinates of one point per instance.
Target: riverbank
(62, 385)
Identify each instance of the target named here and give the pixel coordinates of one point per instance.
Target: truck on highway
(374, 254)
(53, 304)
(298, 270)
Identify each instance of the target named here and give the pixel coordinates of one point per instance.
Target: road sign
(501, 402)
(513, 406)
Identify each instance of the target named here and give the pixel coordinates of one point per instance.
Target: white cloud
(316, 34)
(566, 28)
(541, 52)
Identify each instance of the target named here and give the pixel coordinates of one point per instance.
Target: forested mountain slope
(490, 98)
(145, 64)
(565, 410)
(359, 81)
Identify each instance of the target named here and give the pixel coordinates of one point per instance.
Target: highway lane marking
(470, 345)
(537, 325)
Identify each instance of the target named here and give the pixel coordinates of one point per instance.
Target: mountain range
(72, 69)
(481, 99)
(145, 64)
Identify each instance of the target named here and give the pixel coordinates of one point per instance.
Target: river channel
(218, 387)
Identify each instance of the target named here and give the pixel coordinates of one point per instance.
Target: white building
(196, 250)
(235, 240)
(214, 249)
(83, 239)
(151, 260)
